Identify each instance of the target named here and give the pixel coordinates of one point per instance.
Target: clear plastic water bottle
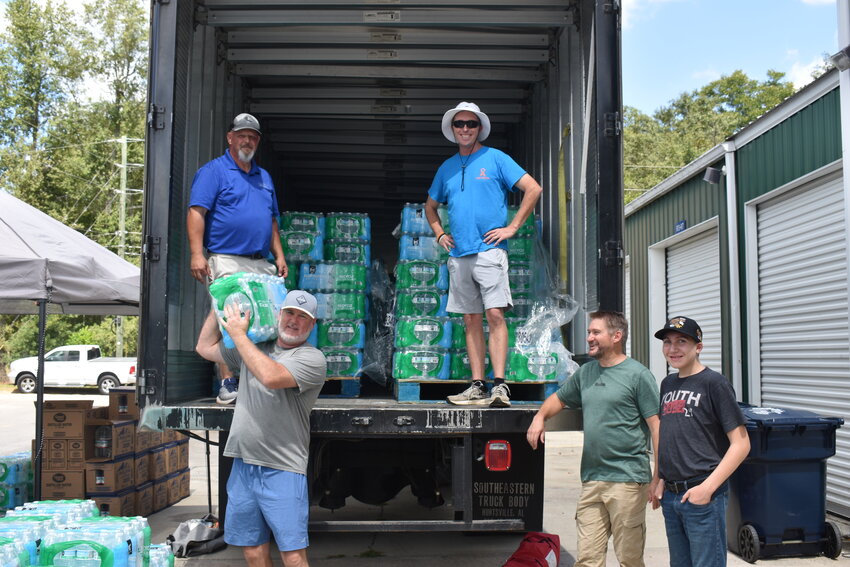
(103, 442)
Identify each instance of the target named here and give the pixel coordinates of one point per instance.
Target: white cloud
(636, 10)
(801, 73)
(706, 75)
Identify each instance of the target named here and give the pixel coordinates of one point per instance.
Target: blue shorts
(261, 500)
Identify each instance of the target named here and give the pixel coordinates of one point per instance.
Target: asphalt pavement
(563, 452)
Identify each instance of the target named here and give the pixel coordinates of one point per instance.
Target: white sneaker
(500, 396)
(472, 396)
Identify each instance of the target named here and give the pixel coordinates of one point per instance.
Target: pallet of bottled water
(71, 533)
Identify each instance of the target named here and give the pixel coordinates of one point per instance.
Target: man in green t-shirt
(618, 397)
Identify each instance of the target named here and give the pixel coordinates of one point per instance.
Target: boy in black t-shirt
(702, 442)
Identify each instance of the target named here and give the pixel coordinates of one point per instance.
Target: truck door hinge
(150, 251)
(156, 117)
(147, 381)
(612, 253)
(613, 124)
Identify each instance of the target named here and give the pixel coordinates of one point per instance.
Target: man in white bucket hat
(474, 184)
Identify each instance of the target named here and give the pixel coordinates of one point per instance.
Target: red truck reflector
(497, 455)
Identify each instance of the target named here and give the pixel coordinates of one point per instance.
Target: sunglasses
(471, 124)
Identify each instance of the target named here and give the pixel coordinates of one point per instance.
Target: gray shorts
(228, 264)
(478, 282)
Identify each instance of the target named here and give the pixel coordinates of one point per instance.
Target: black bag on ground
(196, 537)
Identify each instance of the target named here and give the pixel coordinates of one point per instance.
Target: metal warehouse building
(759, 257)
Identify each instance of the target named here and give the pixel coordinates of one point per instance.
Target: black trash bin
(777, 497)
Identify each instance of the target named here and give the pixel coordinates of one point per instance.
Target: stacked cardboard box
(99, 453)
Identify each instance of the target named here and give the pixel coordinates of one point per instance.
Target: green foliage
(656, 146)
(59, 152)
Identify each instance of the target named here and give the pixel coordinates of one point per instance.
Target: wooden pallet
(424, 390)
(341, 387)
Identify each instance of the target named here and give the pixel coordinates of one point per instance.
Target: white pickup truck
(74, 366)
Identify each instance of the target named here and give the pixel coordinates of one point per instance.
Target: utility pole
(122, 236)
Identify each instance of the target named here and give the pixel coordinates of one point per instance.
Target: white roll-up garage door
(693, 289)
(804, 354)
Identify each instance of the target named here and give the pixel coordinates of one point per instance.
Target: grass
(7, 387)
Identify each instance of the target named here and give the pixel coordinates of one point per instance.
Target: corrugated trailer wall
(694, 201)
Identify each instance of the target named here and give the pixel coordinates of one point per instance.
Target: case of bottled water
(421, 363)
(414, 221)
(420, 247)
(301, 246)
(423, 331)
(421, 273)
(421, 301)
(298, 221)
(337, 250)
(343, 361)
(342, 306)
(347, 333)
(332, 276)
(460, 369)
(348, 226)
(261, 294)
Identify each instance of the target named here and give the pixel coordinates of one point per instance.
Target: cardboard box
(63, 485)
(116, 504)
(172, 483)
(183, 454)
(144, 499)
(110, 476)
(123, 404)
(160, 494)
(141, 467)
(65, 419)
(76, 454)
(185, 486)
(121, 438)
(156, 462)
(172, 454)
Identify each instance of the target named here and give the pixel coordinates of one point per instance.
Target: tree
(676, 134)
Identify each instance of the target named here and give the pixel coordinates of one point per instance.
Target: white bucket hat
(469, 107)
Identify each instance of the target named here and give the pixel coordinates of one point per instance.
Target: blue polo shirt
(240, 206)
(482, 205)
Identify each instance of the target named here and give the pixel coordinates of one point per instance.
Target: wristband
(442, 234)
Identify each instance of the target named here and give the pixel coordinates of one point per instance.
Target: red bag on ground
(536, 549)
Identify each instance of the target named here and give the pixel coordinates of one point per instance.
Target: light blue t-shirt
(240, 206)
(482, 203)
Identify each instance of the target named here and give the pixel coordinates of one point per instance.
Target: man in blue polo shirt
(232, 219)
(475, 183)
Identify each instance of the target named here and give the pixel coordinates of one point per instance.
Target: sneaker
(472, 396)
(500, 396)
(228, 391)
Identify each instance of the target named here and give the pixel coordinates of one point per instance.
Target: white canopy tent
(46, 266)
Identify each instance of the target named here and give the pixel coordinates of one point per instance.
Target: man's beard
(246, 156)
(289, 339)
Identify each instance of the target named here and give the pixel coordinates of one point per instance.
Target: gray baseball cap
(245, 121)
(301, 300)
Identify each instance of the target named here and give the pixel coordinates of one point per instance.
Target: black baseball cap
(684, 325)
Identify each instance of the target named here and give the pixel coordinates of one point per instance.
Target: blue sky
(676, 46)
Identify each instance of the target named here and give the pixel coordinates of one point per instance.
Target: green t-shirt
(615, 402)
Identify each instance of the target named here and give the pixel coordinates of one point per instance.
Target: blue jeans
(696, 535)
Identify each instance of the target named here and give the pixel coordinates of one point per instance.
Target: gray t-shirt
(271, 427)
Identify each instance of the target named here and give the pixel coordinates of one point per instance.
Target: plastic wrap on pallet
(378, 351)
(548, 309)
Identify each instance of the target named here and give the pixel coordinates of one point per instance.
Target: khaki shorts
(478, 282)
(608, 509)
(228, 264)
